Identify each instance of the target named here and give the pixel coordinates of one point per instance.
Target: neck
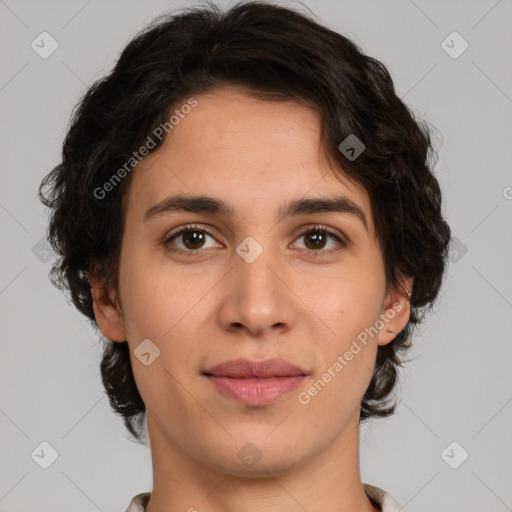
(328, 479)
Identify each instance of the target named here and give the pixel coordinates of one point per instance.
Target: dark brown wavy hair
(274, 53)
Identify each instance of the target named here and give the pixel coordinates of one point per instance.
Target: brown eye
(187, 239)
(192, 239)
(317, 238)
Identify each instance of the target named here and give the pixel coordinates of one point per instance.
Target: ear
(395, 312)
(107, 312)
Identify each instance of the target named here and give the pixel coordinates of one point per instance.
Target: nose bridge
(258, 258)
(258, 295)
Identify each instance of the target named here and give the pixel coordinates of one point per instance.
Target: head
(248, 107)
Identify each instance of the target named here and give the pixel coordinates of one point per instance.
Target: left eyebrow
(213, 205)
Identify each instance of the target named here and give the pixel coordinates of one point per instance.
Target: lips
(256, 392)
(256, 383)
(246, 369)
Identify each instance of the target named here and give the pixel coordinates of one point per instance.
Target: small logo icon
(249, 455)
(146, 352)
(351, 147)
(42, 250)
(457, 250)
(44, 455)
(454, 45)
(454, 455)
(44, 45)
(249, 249)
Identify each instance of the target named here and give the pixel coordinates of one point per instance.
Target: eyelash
(319, 228)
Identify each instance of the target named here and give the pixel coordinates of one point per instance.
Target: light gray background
(459, 388)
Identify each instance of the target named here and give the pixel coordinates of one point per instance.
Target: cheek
(349, 351)
(151, 299)
(348, 358)
(351, 302)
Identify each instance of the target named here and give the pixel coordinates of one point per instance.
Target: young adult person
(248, 213)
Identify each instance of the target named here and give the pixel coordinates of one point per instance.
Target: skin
(202, 310)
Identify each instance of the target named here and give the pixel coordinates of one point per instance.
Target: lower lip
(256, 391)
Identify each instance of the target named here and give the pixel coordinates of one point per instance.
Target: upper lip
(245, 369)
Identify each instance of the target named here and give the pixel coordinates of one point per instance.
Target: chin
(260, 458)
(266, 467)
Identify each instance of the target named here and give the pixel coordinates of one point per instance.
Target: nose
(258, 299)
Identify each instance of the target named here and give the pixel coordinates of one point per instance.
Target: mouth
(255, 383)
(255, 391)
(246, 369)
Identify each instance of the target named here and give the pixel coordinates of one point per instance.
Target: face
(249, 285)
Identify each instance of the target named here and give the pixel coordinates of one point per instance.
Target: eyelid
(323, 227)
(188, 227)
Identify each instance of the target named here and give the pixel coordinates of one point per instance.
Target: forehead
(246, 150)
(228, 123)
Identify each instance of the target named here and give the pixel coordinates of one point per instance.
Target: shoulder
(139, 502)
(386, 501)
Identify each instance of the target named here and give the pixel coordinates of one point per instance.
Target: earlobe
(107, 313)
(395, 313)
